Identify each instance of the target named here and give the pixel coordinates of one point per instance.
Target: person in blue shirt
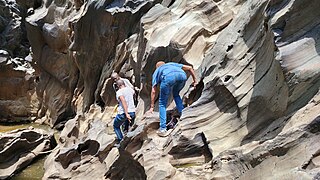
(170, 77)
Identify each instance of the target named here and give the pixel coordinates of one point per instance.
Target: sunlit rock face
(255, 111)
(73, 45)
(296, 32)
(19, 148)
(86, 150)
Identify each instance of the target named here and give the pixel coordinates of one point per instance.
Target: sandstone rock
(55, 66)
(20, 147)
(288, 155)
(12, 30)
(297, 37)
(18, 100)
(90, 155)
(255, 112)
(70, 54)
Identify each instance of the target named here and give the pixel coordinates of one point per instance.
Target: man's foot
(164, 132)
(117, 145)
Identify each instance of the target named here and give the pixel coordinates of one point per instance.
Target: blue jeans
(171, 82)
(119, 120)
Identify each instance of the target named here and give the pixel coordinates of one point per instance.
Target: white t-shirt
(127, 93)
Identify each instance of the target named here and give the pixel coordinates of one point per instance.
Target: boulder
(254, 114)
(20, 147)
(85, 150)
(18, 99)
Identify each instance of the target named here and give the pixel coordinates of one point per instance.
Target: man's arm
(125, 107)
(153, 95)
(191, 70)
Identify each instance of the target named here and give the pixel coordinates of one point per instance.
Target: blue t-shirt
(164, 70)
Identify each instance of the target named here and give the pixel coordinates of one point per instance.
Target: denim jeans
(171, 82)
(119, 120)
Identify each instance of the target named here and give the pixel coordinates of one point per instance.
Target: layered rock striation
(20, 147)
(18, 99)
(72, 45)
(255, 112)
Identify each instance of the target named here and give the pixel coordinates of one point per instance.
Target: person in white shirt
(126, 109)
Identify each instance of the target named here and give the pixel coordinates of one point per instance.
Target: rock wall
(255, 112)
(20, 147)
(73, 45)
(18, 99)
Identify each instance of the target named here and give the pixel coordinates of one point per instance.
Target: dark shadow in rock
(125, 167)
(195, 147)
(22, 147)
(215, 91)
(170, 53)
(108, 96)
(133, 141)
(135, 144)
(193, 93)
(90, 147)
(225, 100)
(10, 155)
(314, 126)
(69, 156)
(28, 141)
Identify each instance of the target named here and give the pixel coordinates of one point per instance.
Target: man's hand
(128, 117)
(194, 83)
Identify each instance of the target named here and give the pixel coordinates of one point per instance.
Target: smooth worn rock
(12, 29)
(18, 148)
(90, 155)
(253, 115)
(18, 99)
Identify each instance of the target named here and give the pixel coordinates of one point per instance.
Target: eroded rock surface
(18, 148)
(255, 112)
(72, 46)
(251, 88)
(86, 150)
(18, 99)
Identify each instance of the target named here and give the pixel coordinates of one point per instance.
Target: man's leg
(118, 121)
(163, 99)
(177, 99)
(181, 79)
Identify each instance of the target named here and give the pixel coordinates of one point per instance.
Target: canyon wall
(254, 114)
